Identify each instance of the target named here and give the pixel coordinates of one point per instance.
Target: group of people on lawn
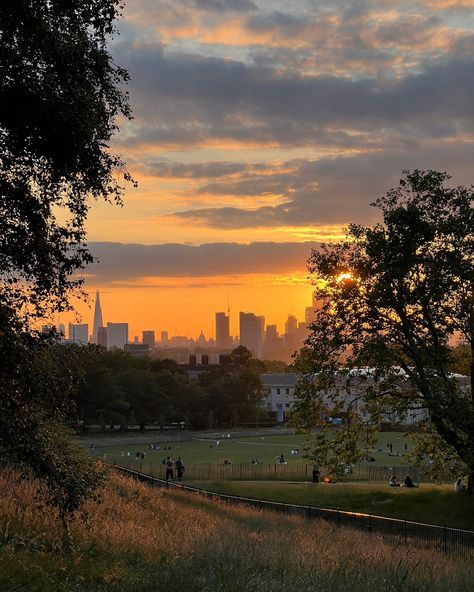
(408, 482)
(170, 464)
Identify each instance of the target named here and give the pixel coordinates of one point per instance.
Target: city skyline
(75, 328)
(262, 128)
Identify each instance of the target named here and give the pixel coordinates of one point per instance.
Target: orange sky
(268, 124)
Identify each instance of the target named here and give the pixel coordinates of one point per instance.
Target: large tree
(393, 298)
(60, 94)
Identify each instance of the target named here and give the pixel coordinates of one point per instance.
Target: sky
(260, 129)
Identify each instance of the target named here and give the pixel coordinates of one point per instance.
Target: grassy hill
(143, 540)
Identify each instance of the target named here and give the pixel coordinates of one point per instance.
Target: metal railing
(293, 471)
(454, 541)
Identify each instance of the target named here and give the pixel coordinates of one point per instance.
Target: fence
(441, 538)
(293, 471)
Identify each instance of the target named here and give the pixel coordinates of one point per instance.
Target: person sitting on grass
(409, 482)
(393, 481)
(459, 486)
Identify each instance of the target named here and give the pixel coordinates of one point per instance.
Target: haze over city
(261, 128)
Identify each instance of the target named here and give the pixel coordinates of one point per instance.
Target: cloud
(220, 6)
(187, 99)
(327, 191)
(128, 262)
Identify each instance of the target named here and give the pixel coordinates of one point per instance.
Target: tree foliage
(393, 296)
(60, 95)
(118, 389)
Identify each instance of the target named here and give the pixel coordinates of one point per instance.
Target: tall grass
(141, 540)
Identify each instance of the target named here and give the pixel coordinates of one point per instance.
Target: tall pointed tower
(98, 321)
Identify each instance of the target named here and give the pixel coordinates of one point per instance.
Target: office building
(79, 333)
(222, 330)
(117, 335)
(148, 338)
(291, 325)
(251, 332)
(98, 321)
(102, 336)
(164, 337)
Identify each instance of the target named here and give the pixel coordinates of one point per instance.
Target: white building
(280, 390)
(117, 335)
(348, 391)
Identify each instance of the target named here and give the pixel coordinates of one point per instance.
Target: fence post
(405, 530)
(338, 518)
(370, 523)
(445, 539)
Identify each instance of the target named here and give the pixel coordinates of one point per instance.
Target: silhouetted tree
(392, 298)
(60, 93)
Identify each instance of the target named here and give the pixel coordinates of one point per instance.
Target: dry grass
(141, 539)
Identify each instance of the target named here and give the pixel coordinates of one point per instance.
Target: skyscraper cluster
(264, 341)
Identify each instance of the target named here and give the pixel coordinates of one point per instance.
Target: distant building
(78, 333)
(251, 332)
(348, 390)
(98, 320)
(117, 335)
(102, 336)
(309, 315)
(164, 337)
(291, 325)
(148, 338)
(137, 349)
(179, 341)
(222, 330)
(280, 397)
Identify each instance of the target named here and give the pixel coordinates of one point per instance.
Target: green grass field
(242, 450)
(433, 504)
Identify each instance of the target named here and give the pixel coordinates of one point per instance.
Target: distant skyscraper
(98, 321)
(291, 325)
(222, 330)
(102, 336)
(271, 333)
(79, 333)
(117, 335)
(164, 337)
(309, 315)
(251, 332)
(148, 338)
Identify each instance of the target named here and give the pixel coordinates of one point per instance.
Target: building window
(287, 404)
(287, 392)
(278, 391)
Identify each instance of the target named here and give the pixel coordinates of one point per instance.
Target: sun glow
(342, 277)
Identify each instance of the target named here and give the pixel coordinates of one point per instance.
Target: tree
(60, 94)
(393, 296)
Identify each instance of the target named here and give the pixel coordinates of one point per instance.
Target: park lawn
(433, 504)
(242, 450)
(144, 540)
